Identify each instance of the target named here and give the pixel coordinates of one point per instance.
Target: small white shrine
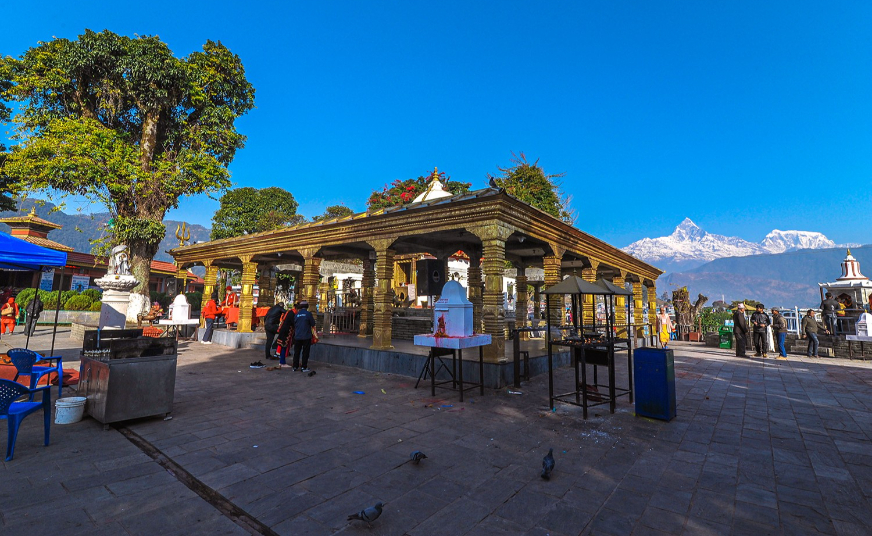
(851, 283)
(452, 321)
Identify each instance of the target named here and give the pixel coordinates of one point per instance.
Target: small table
(440, 346)
(174, 324)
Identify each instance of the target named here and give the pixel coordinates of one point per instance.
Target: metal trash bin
(654, 374)
(725, 336)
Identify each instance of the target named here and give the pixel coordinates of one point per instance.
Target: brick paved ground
(774, 447)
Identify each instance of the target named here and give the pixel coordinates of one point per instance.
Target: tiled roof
(30, 218)
(46, 243)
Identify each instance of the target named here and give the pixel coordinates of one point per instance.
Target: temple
(490, 228)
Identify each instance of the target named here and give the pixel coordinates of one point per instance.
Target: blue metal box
(654, 372)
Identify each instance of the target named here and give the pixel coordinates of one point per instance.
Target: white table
(440, 346)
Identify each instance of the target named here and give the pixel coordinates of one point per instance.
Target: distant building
(82, 268)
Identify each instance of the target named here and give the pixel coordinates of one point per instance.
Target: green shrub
(49, 299)
(96, 306)
(195, 299)
(93, 293)
(78, 302)
(67, 294)
(24, 297)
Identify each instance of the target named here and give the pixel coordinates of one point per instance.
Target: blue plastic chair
(15, 412)
(25, 362)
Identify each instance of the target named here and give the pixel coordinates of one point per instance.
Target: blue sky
(743, 116)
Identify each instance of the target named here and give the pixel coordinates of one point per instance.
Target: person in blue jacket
(304, 330)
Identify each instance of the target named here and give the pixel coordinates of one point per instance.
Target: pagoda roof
(30, 220)
(44, 242)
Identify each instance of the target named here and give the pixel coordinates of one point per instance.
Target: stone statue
(119, 263)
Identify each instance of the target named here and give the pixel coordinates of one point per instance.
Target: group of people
(760, 322)
(295, 326)
(9, 312)
(214, 311)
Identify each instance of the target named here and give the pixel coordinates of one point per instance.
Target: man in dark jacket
(760, 321)
(304, 329)
(810, 327)
(271, 325)
(829, 309)
(286, 332)
(779, 326)
(740, 330)
(33, 310)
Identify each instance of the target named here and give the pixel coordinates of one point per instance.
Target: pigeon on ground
(548, 464)
(368, 514)
(417, 456)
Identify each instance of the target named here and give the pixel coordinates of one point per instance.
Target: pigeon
(492, 183)
(548, 464)
(417, 456)
(368, 514)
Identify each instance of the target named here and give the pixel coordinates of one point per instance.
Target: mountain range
(689, 246)
(783, 269)
(79, 229)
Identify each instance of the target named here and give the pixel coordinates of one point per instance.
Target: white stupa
(435, 190)
(852, 282)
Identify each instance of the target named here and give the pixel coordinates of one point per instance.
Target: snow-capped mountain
(689, 246)
(781, 241)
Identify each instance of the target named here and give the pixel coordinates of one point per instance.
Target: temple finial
(435, 173)
(849, 251)
(32, 211)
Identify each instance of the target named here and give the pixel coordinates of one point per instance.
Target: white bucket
(69, 409)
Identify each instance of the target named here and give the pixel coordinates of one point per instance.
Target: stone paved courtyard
(759, 447)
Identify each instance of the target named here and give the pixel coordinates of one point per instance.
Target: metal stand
(456, 371)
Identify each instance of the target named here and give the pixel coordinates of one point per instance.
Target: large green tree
(529, 183)
(249, 210)
(124, 121)
(334, 211)
(6, 202)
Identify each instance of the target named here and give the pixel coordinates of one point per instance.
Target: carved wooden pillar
(383, 297)
(246, 297)
(208, 287)
(311, 273)
(620, 305)
(652, 303)
(638, 321)
(521, 300)
(366, 296)
(589, 315)
(551, 264)
(473, 277)
(266, 284)
(493, 240)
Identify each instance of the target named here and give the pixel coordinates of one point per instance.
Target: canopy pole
(57, 311)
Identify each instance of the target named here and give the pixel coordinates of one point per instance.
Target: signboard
(46, 282)
(80, 282)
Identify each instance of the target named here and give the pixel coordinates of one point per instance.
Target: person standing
(829, 311)
(33, 310)
(286, 332)
(760, 321)
(664, 327)
(271, 323)
(210, 311)
(8, 314)
(740, 330)
(779, 325)
(304, 329)
(810, 327)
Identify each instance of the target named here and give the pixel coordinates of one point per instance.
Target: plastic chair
(24, 360)
(15, 412)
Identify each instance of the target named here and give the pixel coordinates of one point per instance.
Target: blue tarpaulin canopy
(17, 254)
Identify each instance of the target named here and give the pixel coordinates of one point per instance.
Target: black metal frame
(597, 353)
(456, 371)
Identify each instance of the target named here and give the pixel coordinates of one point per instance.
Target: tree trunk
(140, 265)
